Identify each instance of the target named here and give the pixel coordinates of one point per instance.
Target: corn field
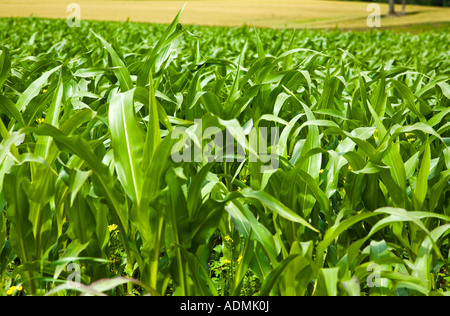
(93, 203)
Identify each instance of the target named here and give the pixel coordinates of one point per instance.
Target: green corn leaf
(240, 221)
(78, 146)
(171, 33)
(120, 70)
(81, 220)
(407, 96)
(128, 144)
(232, 96)
(276, 206)
(336, 230)
(445, 88)
(398, 214)
(421, 187)
(22, 238)
(194, 193)
(153, 137)
(394, 160)
(33, 89)
(199, 275)
(327, 282)
(259, 45)
(2, 232)
(52, 118)
(5, 65)
(244, 219)
(10, 109)
(243, 265)
(76, 181)
(271, 280)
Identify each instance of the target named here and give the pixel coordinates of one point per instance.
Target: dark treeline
(440, 3)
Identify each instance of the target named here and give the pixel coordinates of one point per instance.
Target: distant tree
(391, 7)
(403, 7)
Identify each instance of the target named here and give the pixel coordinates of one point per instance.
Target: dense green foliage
(359, 204)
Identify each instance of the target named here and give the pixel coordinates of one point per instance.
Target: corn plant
(90, 118)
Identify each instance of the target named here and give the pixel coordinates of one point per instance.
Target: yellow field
(261, 13)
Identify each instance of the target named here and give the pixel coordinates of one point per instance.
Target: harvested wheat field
(176, 161)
